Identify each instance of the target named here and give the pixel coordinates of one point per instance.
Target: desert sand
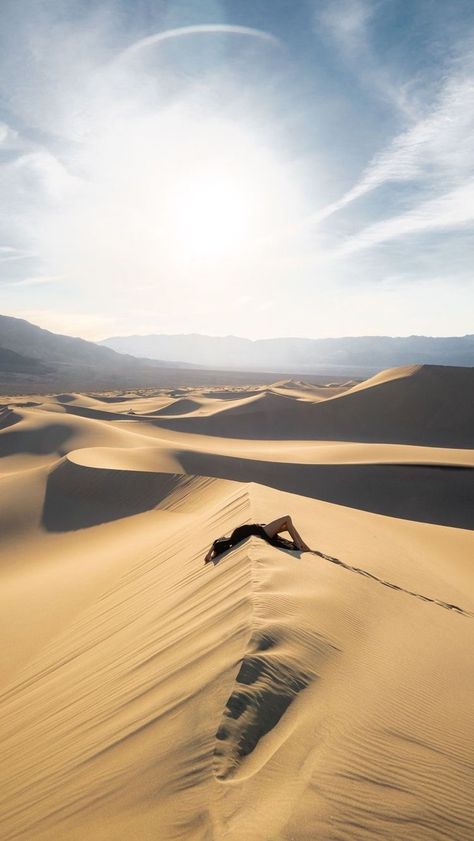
(273, 695)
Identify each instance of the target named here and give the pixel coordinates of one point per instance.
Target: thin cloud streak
(438, 146)
(37, 280)
(452, 210)
(12, 257)
(202, 29)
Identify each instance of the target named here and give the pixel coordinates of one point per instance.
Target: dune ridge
(272, 695)
(413, 405)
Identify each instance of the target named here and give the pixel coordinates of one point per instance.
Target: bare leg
(286, 524)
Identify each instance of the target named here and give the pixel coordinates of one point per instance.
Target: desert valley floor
(274, 695)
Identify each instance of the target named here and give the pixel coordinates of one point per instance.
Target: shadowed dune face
(94, 412)
(430, 494)
(179, 407)
(51, 438)
(231, 394)
(8, 418)
(66, 398)
(79, 497)
(105, 398)
(275, 695)
(416, 407)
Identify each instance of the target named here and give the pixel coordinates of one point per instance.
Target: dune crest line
(364, 572)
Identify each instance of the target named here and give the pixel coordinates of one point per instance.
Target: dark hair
(222, 544)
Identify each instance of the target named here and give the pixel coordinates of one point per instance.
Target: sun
(211, 216)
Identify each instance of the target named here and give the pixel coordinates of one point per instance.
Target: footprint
(265, 687)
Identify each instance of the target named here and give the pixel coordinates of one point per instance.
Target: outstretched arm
(209, 555)
(286, 524)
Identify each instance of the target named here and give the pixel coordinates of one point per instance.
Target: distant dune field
(273, 695)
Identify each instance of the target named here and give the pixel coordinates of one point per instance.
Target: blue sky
(255, 167)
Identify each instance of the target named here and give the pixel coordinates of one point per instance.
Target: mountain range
(37, 360)
(32, 358)
(358, 355)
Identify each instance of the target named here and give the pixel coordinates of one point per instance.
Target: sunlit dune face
(212, 214)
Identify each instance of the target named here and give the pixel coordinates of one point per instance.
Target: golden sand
(273, 696)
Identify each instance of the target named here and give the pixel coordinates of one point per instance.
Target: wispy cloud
(8, 255)
(433, 157)
(346, 20)
(437, 147)
(36, 280)
(8, 136)
(95, 149)
(201, 29)
(350, 24)
(451, 210)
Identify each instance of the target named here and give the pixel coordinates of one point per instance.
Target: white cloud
(46, 169)
(434, 155)
(346, 20)
(101, 142)
(349, 25)
(437, 147)
(452, 210)
(8, 136)
(8, 255)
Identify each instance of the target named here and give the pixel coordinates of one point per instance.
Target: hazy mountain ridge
(10, 361)
(28, 339)
(300, 354)
(32, 357)
(34, 360)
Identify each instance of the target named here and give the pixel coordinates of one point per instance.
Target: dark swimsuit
(222, 544)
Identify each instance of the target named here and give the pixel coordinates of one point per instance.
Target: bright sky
(250, 167)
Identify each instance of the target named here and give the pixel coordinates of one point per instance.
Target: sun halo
(212, 216)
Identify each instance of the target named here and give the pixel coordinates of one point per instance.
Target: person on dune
(269, 532)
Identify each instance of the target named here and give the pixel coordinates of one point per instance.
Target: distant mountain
(359, 354)
(11, 362)
(31, 358)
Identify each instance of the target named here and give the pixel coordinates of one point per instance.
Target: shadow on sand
(430, 494)
(78, 497)
(39, 442)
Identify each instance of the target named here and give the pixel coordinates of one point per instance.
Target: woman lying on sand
(269, 532)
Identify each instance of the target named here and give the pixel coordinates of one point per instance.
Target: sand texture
(272, 695)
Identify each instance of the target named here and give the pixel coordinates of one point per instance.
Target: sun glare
(211, 216)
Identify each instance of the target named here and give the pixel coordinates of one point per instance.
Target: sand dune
(273, 696)
(307, 391)
(412, 405)
(8, 417)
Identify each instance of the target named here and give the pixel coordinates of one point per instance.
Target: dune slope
(273, 695)
(428, 405)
